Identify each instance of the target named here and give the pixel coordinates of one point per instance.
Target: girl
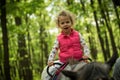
(70, 43)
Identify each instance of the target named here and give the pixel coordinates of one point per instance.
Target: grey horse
(84, 71)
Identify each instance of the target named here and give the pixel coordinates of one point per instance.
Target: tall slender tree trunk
(5, 40)
(1, 64)
(69, 2)
(107, 45)
(43, 44)
(43, 47)
(93, 48)
(98, 30)
(116, 4)
(25, 71)
(106, 18)
(117, 15)
(41, 39)
(83, 5)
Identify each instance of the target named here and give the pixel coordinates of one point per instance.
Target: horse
(93, 70)
(84, 71)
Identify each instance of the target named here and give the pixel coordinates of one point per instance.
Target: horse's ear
(112, 60)
(72, 75)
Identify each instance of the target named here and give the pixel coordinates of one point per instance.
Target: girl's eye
(62, 22)
(67, 21)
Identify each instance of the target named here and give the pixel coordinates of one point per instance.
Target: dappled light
(28, 30)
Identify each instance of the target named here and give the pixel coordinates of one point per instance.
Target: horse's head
(90, 71)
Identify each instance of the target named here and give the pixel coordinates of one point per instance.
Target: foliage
(39, 28)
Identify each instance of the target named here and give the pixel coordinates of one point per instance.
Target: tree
(5, 40)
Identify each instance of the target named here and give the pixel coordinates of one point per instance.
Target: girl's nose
(65, 23)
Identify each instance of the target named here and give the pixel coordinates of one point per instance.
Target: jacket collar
(64, 35)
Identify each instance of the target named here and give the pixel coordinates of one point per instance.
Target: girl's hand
(85, 57)
(50, 63)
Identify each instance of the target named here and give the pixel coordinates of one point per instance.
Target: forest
(28, 31)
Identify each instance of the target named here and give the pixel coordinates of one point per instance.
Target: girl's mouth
(66, 28)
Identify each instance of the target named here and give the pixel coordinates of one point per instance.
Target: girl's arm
(85, 47)
(53, 51)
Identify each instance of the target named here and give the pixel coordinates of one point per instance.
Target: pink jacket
(70, 46)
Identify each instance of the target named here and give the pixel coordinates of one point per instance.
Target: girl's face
(65, 24)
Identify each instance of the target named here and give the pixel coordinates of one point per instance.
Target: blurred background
(28, 31)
